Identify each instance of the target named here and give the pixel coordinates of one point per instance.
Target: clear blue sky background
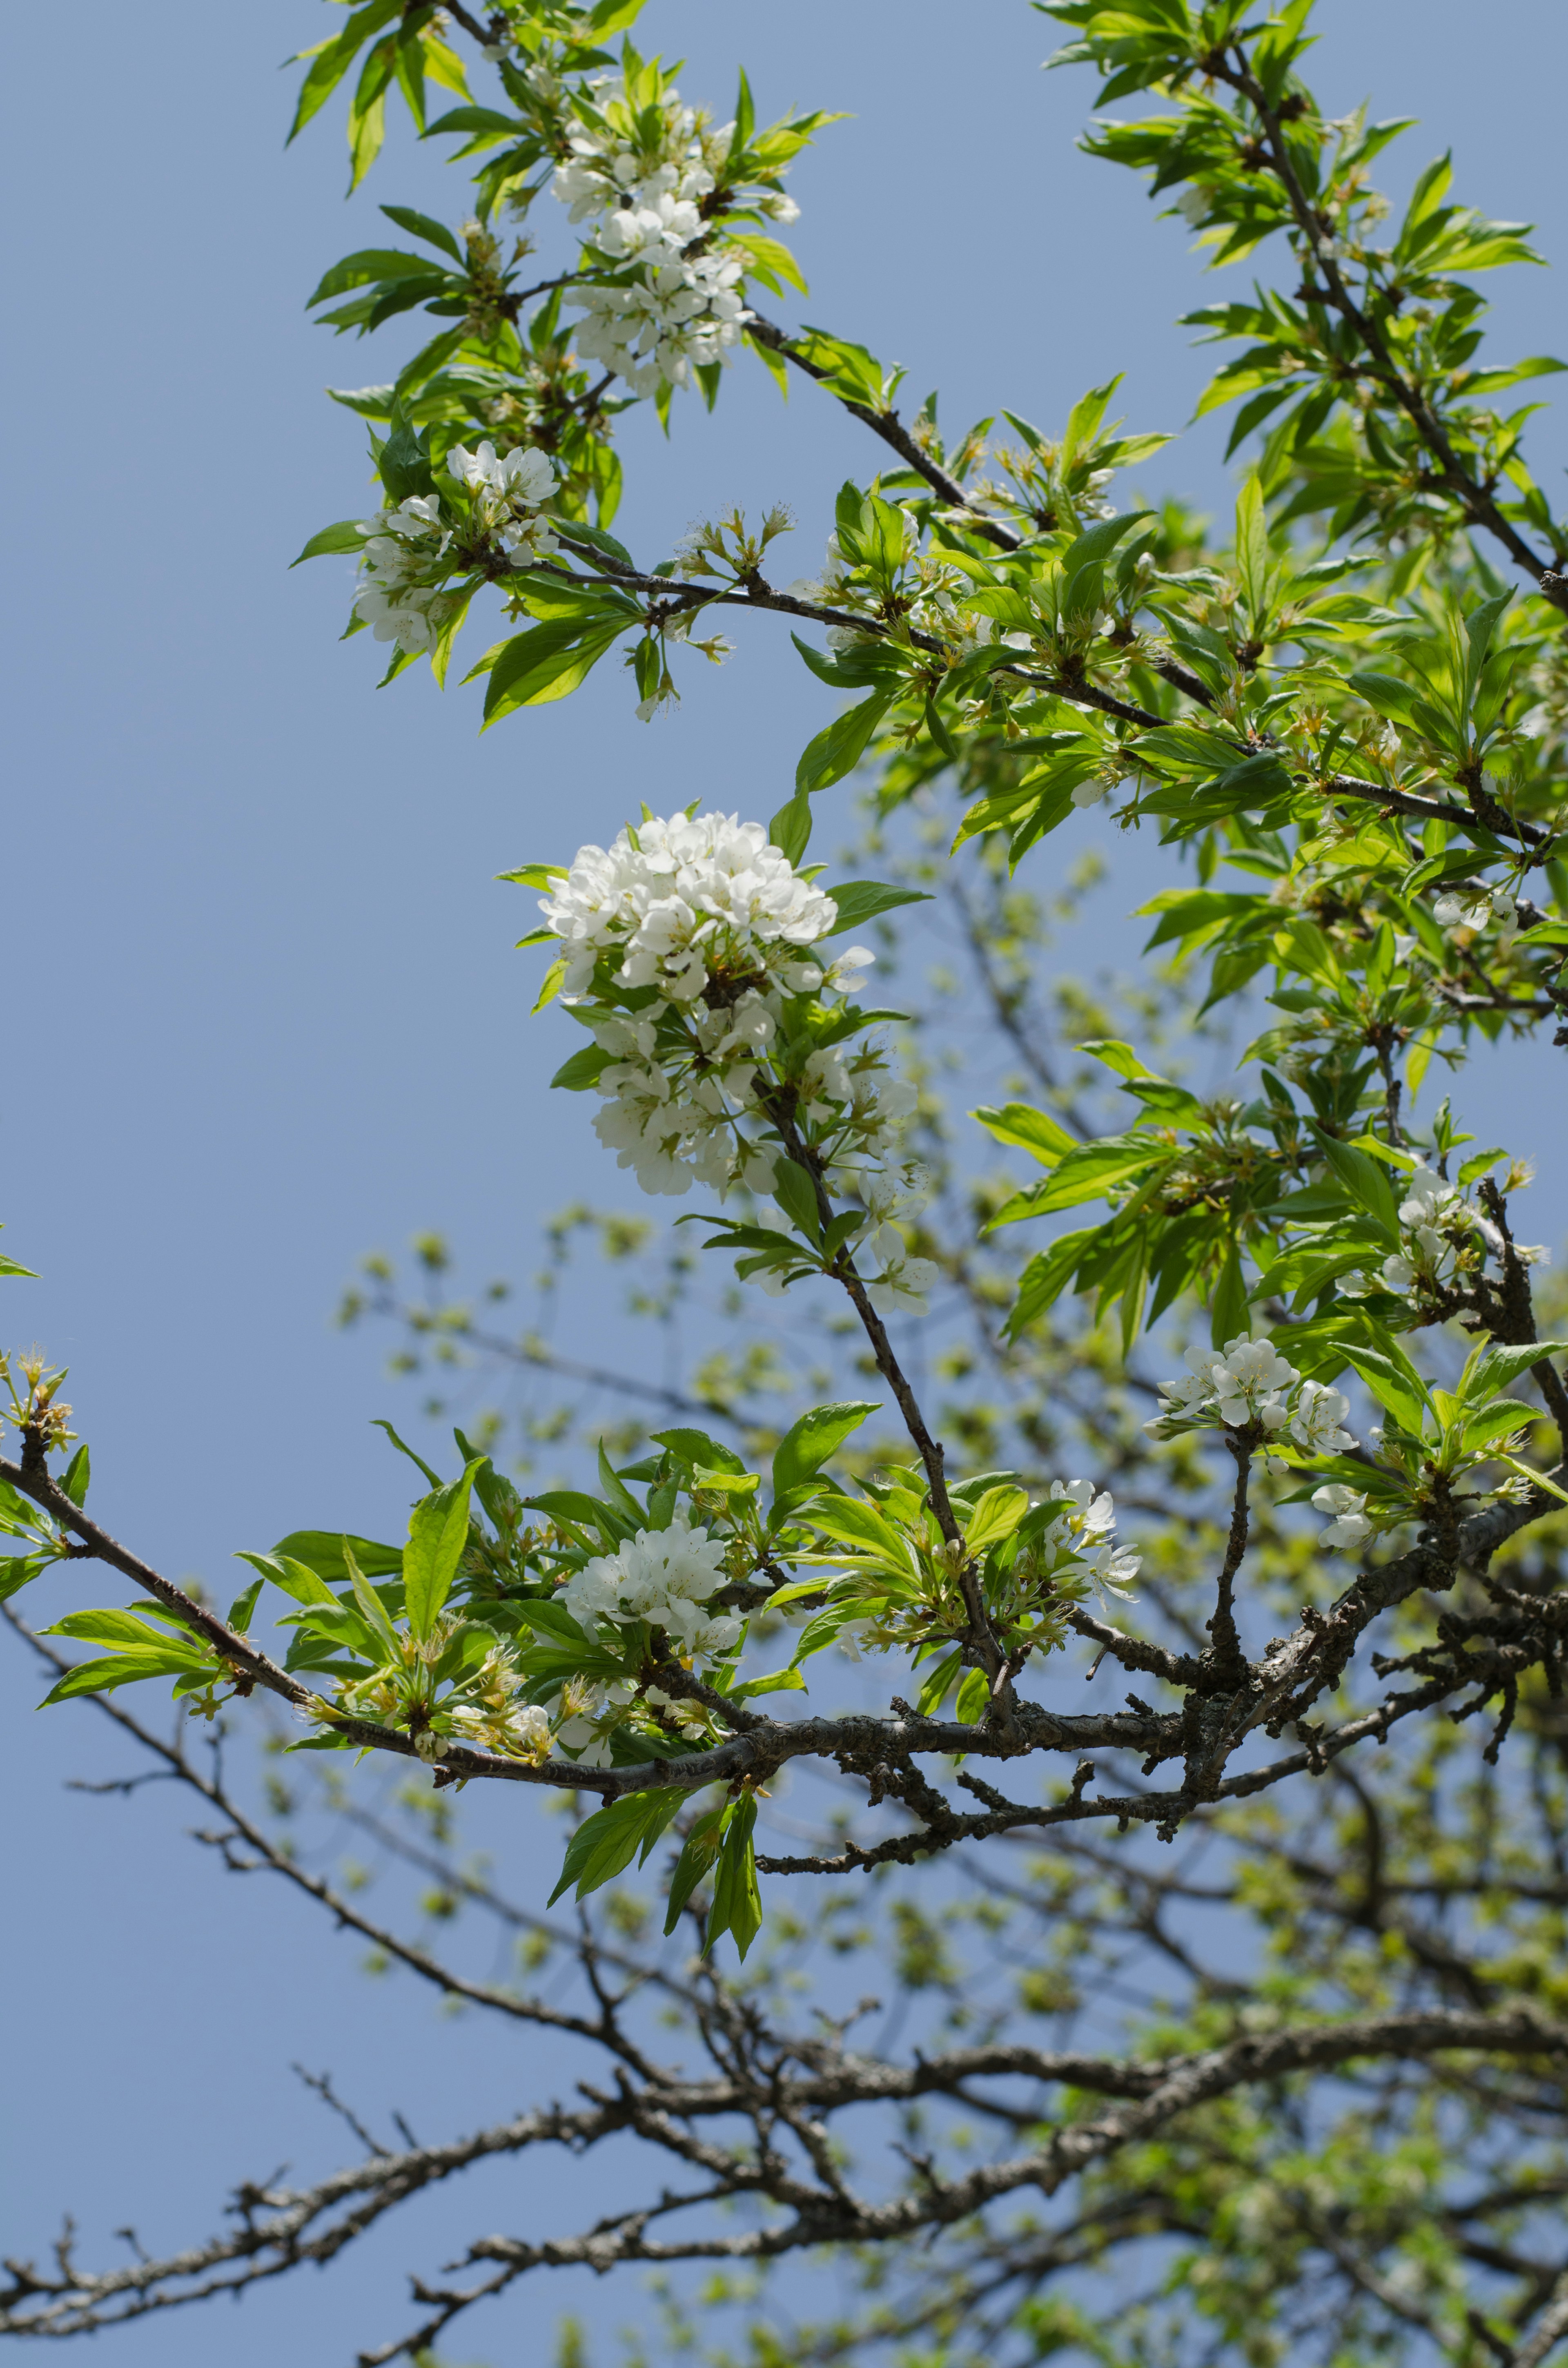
(262, 1010)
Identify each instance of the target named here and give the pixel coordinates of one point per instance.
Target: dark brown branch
(888, 426)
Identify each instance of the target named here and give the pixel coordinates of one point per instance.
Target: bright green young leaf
(808, 1441)
(438, 1539)
(605, 1844)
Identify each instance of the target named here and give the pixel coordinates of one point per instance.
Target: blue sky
(263, 1010)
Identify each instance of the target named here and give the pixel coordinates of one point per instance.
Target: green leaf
(796, 1194)
(695, 1447)
(790, 829)
(1479, 1164)
(776, 1681)
(342, 540)
(534, 668)
(934, 1692)
(425, 226)
(807, 1444)
(551, 1621)
(101, 1676)
(549, 986)
(1394, 1382)
(995, 1516)
(973, 1696)
(1036, 1132)
(583, 1069)
(618, 1494)
(862, 900)
(332, 59)
(1117, 1056)
(323, 1552)
(605, 1844)
(1096, 542)
(1499, 1367)
(1528, 1472)
(854, 1522)
(696, 1859)
(438, 1539)
(18, 1571)
(77, 1475)
(372, 1608)
(1083, 420)
(1087, 1173)
(110, 1627)
(374, 266)
(839, 748)
(379, 1422)
(1228, 1310)
(1046, 1277)
(572, 1505)
(737, 1908)
(1365, 1179)
(296, 1579)
(243, 1609)
(1497, 1421)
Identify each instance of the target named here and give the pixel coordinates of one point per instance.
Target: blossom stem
(931, 1451)
(473, 27)
(891, 428)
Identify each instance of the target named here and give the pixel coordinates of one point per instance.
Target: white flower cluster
(665, 1576)
(677, 306)
(400, 573)
(1084, 1533)
(717, 921)
(508, 494)
(405, 560)
(662, 1575)
(1248, 1381)
(688, 901)
(1432, 1212)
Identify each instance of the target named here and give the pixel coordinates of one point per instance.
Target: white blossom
(1247, 1382)
(1428, 1197)
(400, 573)
(1084, 1533)
(1476, 910)
(674, 896)
(902, 1286)
(1350, 1527)
(508, 494)
(1315, 1423)
(662, 1575)
(705, 911)
(1431, 1213)
(674, 304)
